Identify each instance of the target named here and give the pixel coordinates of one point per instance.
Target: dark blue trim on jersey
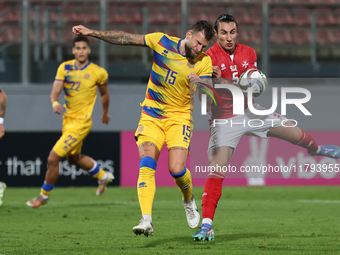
(179, 175)
(148, 162)
(86, 65)
(154, 112)
(158, 97)
(165, 41)
(144, 41)
(179, 52)
(205, 77)
(58, 80)
(83, 67)
(70, 67)
(156, 78)
(160, 59)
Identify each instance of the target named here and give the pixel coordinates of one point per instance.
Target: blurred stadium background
(292, 38)
(286, 34)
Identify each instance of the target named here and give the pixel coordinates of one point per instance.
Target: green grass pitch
(249, 220)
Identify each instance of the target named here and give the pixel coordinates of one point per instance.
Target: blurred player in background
(166, 115)
(230, 60)
(79, 78)
(3, 105)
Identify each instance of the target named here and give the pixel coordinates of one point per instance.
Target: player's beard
(189, 52)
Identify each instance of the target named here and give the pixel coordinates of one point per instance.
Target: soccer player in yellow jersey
(166, 115)
(79, 78)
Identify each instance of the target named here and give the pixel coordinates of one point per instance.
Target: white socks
(207, 221)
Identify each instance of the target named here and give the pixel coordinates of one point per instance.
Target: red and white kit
(232, 66)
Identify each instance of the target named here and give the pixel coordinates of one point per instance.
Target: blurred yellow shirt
(80, 87)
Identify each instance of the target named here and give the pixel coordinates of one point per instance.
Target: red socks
(211, 195)
(307, 141)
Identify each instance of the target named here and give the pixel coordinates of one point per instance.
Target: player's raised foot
(193, 216)
(2, 192)
(331, 151)
(206, 233)
(102, 185)
(144, 227)
(37, 201)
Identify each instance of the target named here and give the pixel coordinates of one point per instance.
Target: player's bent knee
(52, 160)
(176, 168)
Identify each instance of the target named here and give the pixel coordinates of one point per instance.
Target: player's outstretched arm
(57, 87)
(3, 105)
(105, 98)
(114, 37)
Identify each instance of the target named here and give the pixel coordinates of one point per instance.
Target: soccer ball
(254, 79)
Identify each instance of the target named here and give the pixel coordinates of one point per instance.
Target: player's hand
(106, 118)
(81, 30)
(58, 109)
(216, 72)
(2, 130)
(193, 77)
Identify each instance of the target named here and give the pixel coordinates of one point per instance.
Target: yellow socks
(46, 189)
(97, 172)
(184, 183)
(146, 185)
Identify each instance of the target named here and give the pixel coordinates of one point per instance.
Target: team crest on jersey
(191, 64)
(87, 76)
(213, 139)
(245, 64)
(223, 67)
(233, 68)
(140, 129)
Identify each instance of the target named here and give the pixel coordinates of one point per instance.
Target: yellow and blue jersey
(168, 91)
(80, 87)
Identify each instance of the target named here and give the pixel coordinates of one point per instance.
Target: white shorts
(228, 132)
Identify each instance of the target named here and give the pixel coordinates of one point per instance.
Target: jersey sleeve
(151, 40)
(102, 77)
(60, 73)
(252, 59)
(207, 68)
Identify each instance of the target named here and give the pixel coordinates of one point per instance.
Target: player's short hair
(81, 38)
(205, 26)
(224, 18)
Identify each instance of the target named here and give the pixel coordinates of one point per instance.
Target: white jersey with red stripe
(232, 66)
